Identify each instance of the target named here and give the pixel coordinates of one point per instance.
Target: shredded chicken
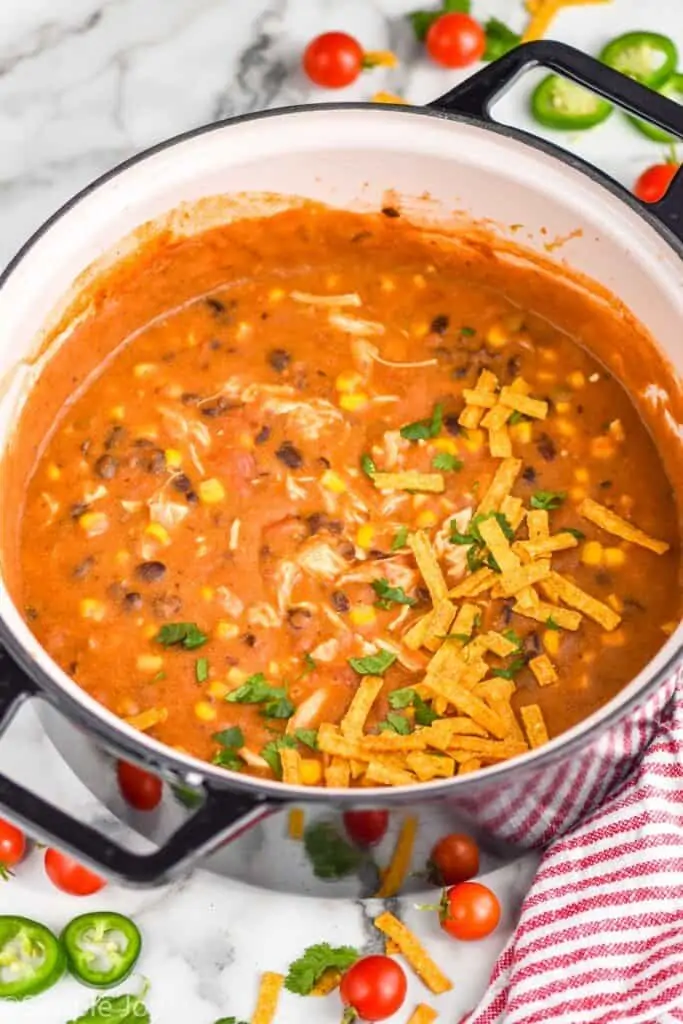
(354, 325)
(394, 570)
(200, 432)
(454, 555)
(320, 560)
(350, 299)
(295, 492)
(309, 419)
(326, 651)
(230, 602)
(406, 658)
(394, 448)
(263, 614)
(252, 759)
(131, 506)
(391, 503)
(234, 538)
(309, 712)
(364, 354)
(287, 575)
(90, 496)
(52, 505)
(198, 464)
(400, 618)
(335, 619)
(167, 513)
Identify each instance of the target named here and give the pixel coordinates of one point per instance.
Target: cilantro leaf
(547, 500)
(551, 624)
(280, 707)
(254, 690)
(511, 670)
(125, 1009)
(400, 539)
(578, 534)
(231, 741)
(201, 670)
(423, 712)
(306, 970)
(402, 698)
(516, 417)
(187, 634)
(388, 595)
(310, 664)
(422, 21)
(499, 39)
(367, 464)
(309, 737)
(271, 753)
(447, 463)
(395, 723)
(232, 737)
(331, 856)
(513, 637)
(373, 664)
(468, 332)
(422, 430)
(229, 1020)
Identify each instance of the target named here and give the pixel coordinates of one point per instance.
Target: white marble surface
(84, 84)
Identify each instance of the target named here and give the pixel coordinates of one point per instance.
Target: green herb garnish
(231, 741)
(513, 637)
(331, 856)
(499, 39)
(463, 638)
(253, 690)
(517, 417)
(422, 21)
(388, 595)
(400, 539)
(310, 664)
(447, 463)
(367, 465)
(187, 634)
(402, 698)
(305, 972)
(551, 624)
(373, 664)
(422, 430)
(468, 332)
(423, 713)
(158, 676)
(395, 723)
(511, 669)
(201, 670)
(547, 500)
(280, 707)
(578, 534)
(407, 697)
(309, 737)
(271, 753)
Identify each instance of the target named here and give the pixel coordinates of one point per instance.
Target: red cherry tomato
(469, 911)
(366, 827)
(68, 875)
(454, 859)
(12, 847)
(456, 40)
(653, 183)
(139, 788)
(374, 988)
(333, 60)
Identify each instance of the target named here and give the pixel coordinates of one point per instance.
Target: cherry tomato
(139, 788)
(68, 875)
(653, 183)
(456, 40)
(12, 847)
(455, 858)
(373, 989)
(333, 60)
(469, 911)
(366, 828)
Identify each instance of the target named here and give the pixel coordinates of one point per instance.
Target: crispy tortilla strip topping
(489, 750)
(472, 764)
(477, 583)
(500, 444)
(391, 949)
(447, 663)
(534, 725)
(353, 722)
(471, 415)
(291, 766)
(498, 693)
(532, 407)
(501, 485)
(410, 480)
(386, 775)
(496, 418)
(439, 624)
(510, 583)
(466, 619)
(547, 546)
(330, 742)
(338, 773)
(147, 719)
(484, 399)
(418, 958)
(544, 670)
(541, 612)
(357, 769)
(269, 993)
(494, 642)
(499, 546)
(537, 522)
(467, 704)
(399, 865)
(557, 588)
(423, 1014)
(513, 510)
(429, 567)
(414, 638)
(327, 982)
(391, 741)
(430, 766)
(295, 827)
(613, 523)
(527, 598)
(439, 735)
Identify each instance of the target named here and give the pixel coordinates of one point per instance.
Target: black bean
(546, 447)
(459, 372)
(325, 463)
(192, 498)
(262, 436)
(156, 462)
(340, 601)
(390, 211)
(215, 305)
(150, 572)
(215, 345)
(132, 601)
(78, 509)
(249, 639)
(298, 618)
(190, 398)
(84, 568)
(347, 550)
(378, 554)
(219, 407)
(143, 442)
(529, 474)
(632, 604)
(167, 606)
(451, 424)
(605, 485)
(531, 644)
(506, 613)
(279, 359)
(290, 455)
(514, 365)
(181, 483)
(422, 595)
(603, 579)
(439, 324)
(315, 522)
(106, 467)
(115, 436)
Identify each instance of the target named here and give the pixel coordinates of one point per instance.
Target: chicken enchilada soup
(344, 504)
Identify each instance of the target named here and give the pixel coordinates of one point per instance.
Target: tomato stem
(350, 1015)
(5, 873)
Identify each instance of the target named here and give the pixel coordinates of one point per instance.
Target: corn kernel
(576, 380)
(91, 608)
(474, 440)
(615, 639)
(205, 712)
(53, 472)
(577, 494)
(144, 369)
(363, 615)
(581, 475)
(227, 630)
(565, 427)
(211, 491)
(419, 281)
(331, 481)
(174, 390)
(615, 603)
(118, 412)
(592, 553)
(551, 641)
(615, 558)
(246, 442)
(149, 663)
(310, 772)
(522, 432)
(243, 330)
(207, 593)
(420, 330)
(348, 381)
(386, 283)
(616, 430)
(218, 690)
(365, 536)
(549, 355)
(159, 533)
(174, 458)
(418, 500)
(603, 448)
(276, 294)
(94, 523)
(497, 336)
(273, 668)
(563, 408)
(445, 444)
(425, 519)
(150, 631)
(352, 403)
(236, 676)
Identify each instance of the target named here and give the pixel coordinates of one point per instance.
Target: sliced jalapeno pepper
(648, 57)
(101, 948)
(31, 958)
(673, 90)
(561, 104)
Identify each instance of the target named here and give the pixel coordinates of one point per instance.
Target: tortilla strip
(500, 443)
(537, 521)
(440, 622)
(612, 523)
(527, 598)
(423, 1014)
(448, 663)
(544, 670)
(467, 704)
(147, 719)
(410, 480)
(466, 619)
(496, 643)
(412, 950)
(557, 588)
(295, 824)
(547, 546)
(388, 742)
(338, 774)
(513, 510)
(268, 995)
(534, 725)
(414, 638)
(353, 722)
(510, 583)
(428, 565)
(440, 734)
(291, 766)
(490, 750)
(386, 776)
(499, 545)
(532, 407)
(474, 584)
(484, 399)
(390, 948)
(471, 415)
(501, 485)
(327, 982)
(357, 769)
(430, 766)
(498, 693)
(473, 764)
(541, 612)
(496, 417)
(399, 865)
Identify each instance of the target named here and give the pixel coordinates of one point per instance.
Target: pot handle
(221, 817)
(475, 96)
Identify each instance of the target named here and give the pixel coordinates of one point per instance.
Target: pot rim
(113, 731)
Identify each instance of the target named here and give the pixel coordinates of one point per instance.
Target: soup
(345, 504)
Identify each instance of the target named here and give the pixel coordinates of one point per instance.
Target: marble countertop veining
(83, 85)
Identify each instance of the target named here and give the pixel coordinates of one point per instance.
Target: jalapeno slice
(673, 90)
(561, 104)
(648, 57)
(31, 958)
(101, 948)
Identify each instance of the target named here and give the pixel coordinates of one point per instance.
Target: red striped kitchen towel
(600, 936)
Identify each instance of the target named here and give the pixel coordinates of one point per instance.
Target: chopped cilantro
(309, 737)
(499, 39)
(280, 707)
(201, 669)
(373, 664)
(400, 539)
(422, 21)
(402, 698)
(547, 500)
(447, 463)
(367, 465)
(395, 723)
(158, 676)
(231, 741)
(309, 664)
(517, 417)
(305, 972)
(423, 712)
(513, 637)
(468, 332)
(405, 698)
(511, 669)
(388, 595)
(253, 691)
(271, 753)
(579, 534)
(187, 634)
(551, 624)
(330, 854)
(422, 430)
